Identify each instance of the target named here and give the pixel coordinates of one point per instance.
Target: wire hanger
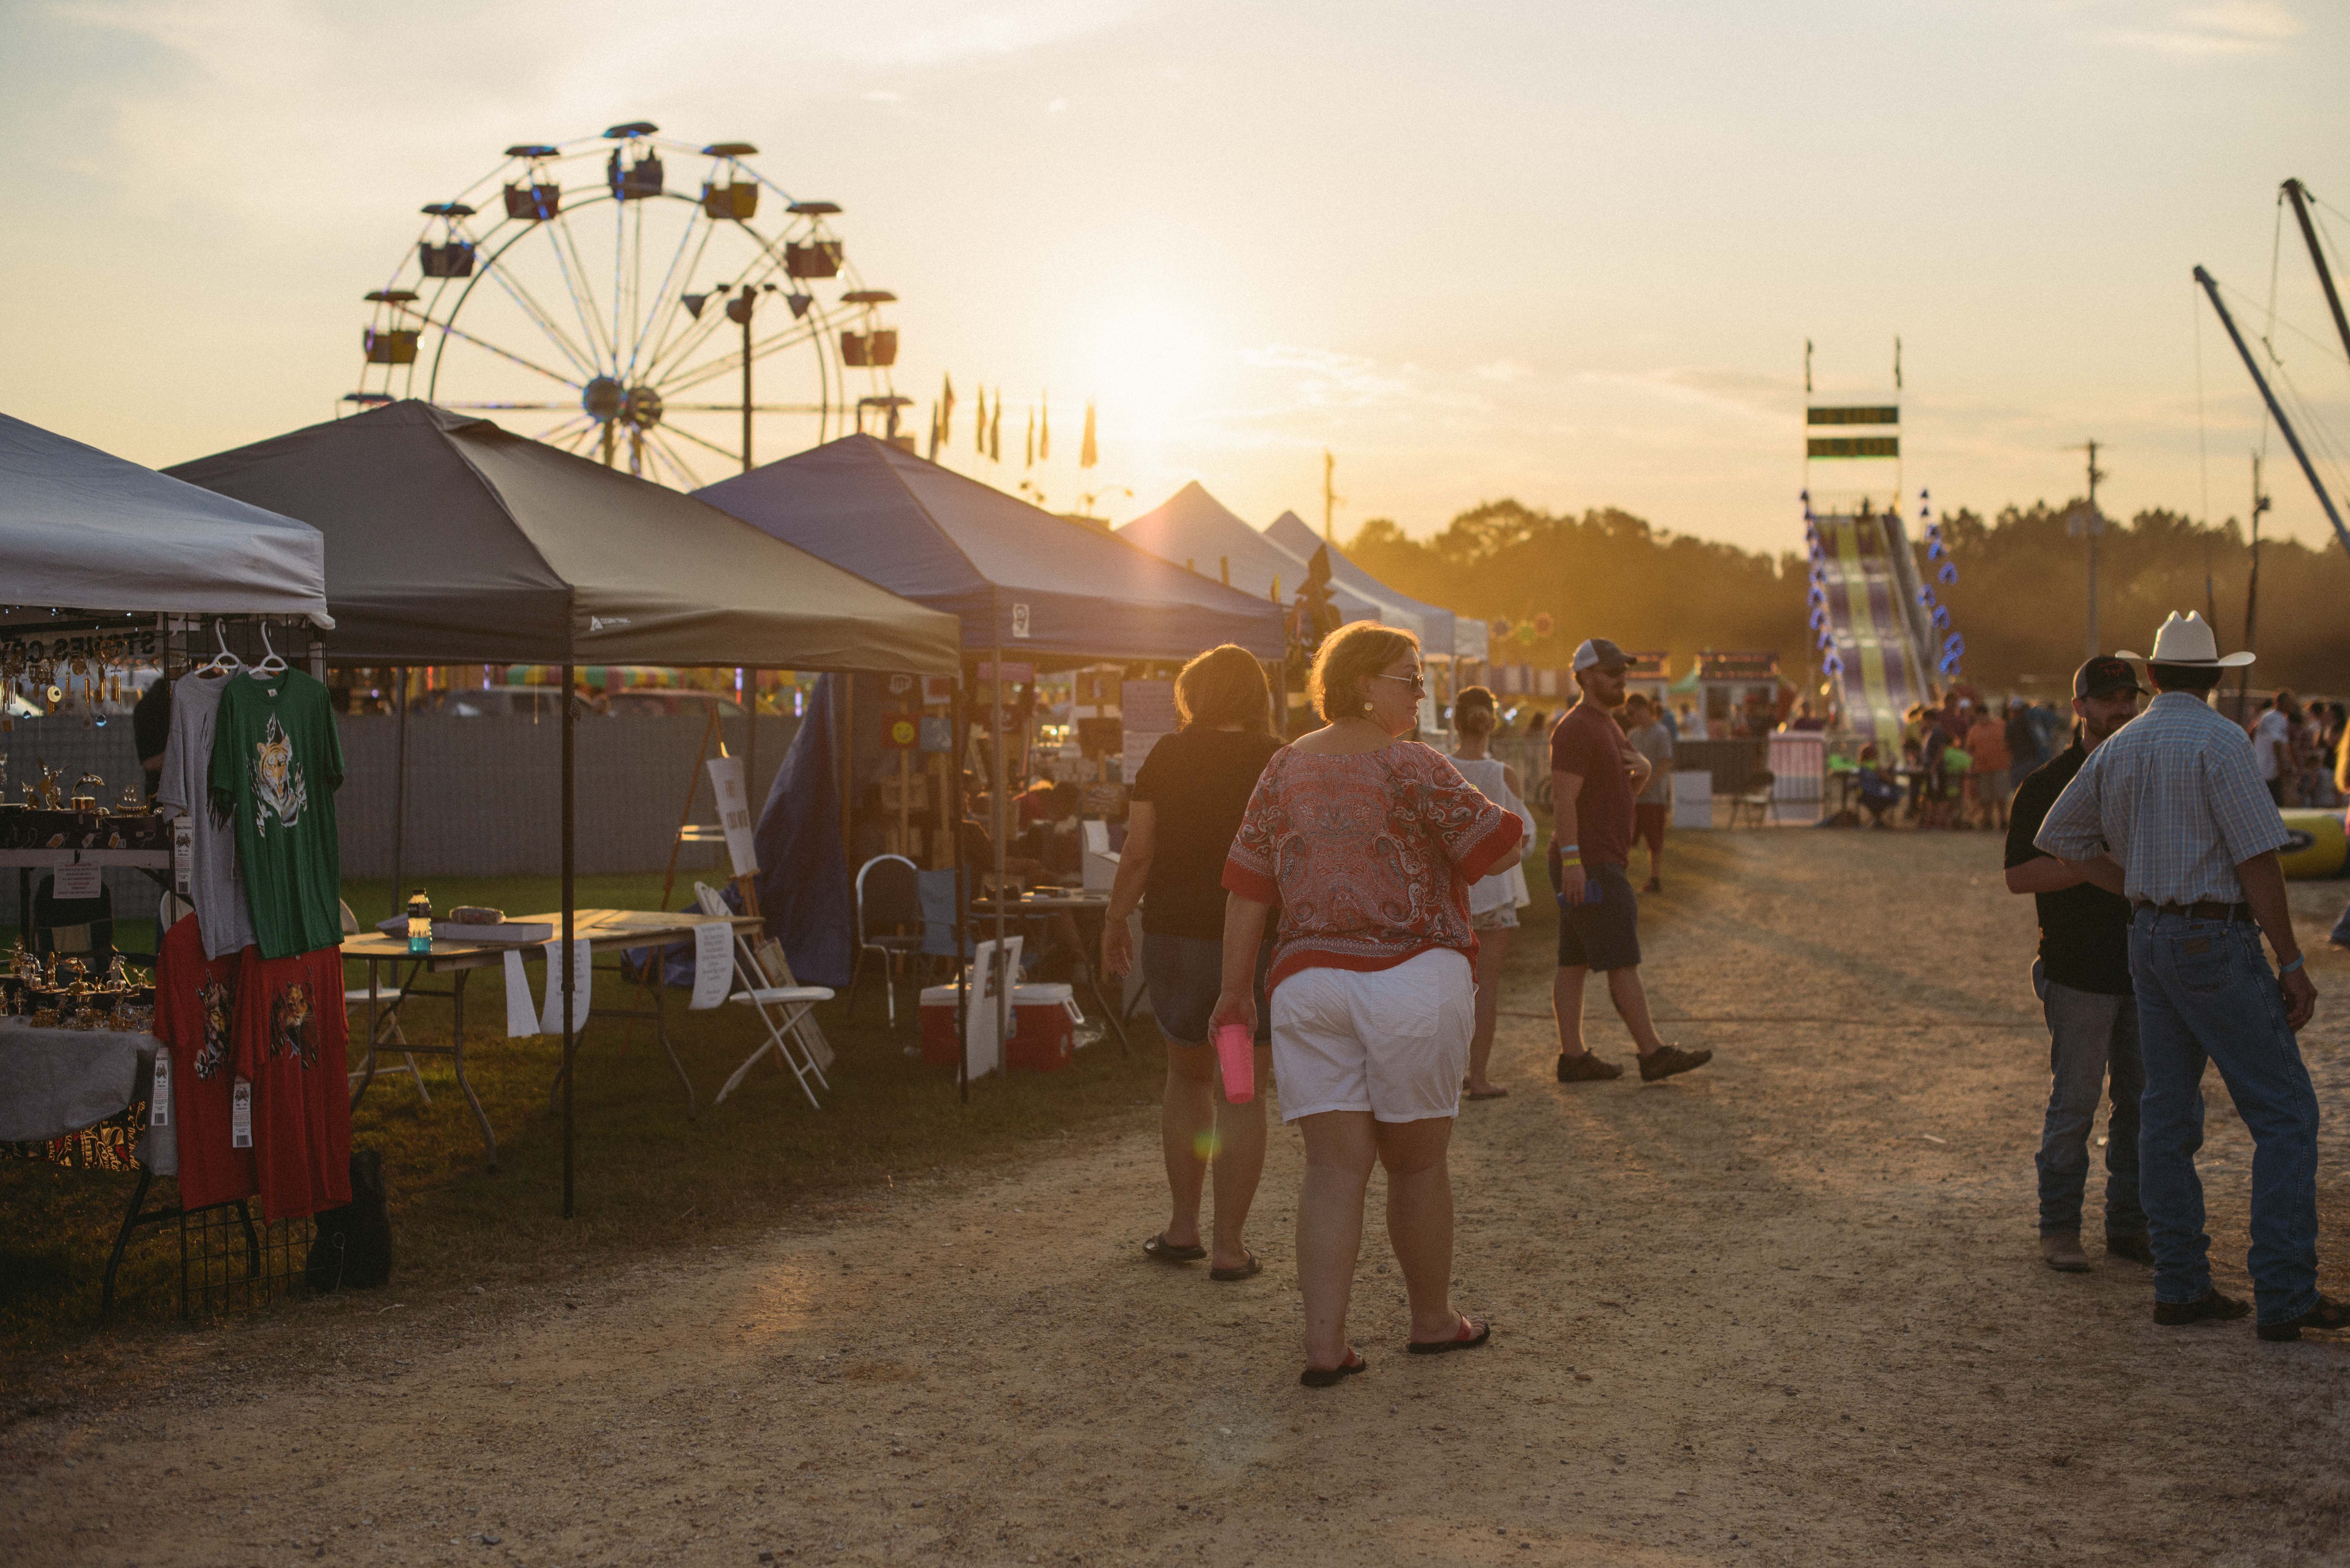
(224, 661)
(270, 663)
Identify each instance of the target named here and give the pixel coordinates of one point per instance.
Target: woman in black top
(1184, 807)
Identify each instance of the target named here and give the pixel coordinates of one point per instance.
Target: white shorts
(1392, 1041)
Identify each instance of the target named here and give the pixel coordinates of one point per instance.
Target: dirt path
(1787, 1310)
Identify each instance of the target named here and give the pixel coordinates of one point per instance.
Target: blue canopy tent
(1046, 588)
(1437, 628)
(1194, 528)
(1052, 591)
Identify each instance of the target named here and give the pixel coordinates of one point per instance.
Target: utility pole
(1330, 496)
(2251, 587)
(2092, 522)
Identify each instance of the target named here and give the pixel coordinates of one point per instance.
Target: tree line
(2020, 599)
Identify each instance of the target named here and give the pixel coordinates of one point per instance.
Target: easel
(767, 950)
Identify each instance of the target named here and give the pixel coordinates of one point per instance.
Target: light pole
(739, 310)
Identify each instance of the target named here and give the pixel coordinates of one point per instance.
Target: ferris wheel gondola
(658, 323)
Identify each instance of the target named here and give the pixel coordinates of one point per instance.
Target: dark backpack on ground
(353, 1249)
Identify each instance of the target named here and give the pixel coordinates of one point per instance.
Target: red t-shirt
(195, 1013)
(1587, 742)
(288, 1041)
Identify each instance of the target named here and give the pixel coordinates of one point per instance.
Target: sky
(1567, 252)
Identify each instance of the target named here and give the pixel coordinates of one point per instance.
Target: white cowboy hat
(2187, 640)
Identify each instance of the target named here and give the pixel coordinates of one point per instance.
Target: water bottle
(420, 923)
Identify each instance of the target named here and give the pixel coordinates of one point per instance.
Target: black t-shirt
(150, 728)
(1197, 782)
(2084, 929)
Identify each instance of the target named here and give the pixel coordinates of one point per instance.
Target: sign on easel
(734, 814)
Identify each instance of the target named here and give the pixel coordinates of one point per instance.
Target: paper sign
(583, 958)
(79, 881)
(183, 856)
(1148, 711)
(521, 1017)
(159, 1113)
(734, 814)
(938, 733)
(714, 963)
(240, 1115)
(1019, 620)
(900, 731)
(938, 691)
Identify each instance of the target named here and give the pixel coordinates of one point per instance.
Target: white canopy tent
(82, 528)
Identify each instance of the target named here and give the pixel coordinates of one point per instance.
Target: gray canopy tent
(83, 528)
(450, 541)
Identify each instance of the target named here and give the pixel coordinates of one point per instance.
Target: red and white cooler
(1043, 1028)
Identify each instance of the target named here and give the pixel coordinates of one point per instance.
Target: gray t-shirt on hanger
(185, 790)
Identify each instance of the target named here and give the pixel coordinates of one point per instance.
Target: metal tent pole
(952, 810)
(1003, 987)
(400, 796)
(570, 1031)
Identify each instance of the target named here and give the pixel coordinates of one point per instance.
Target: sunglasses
(1418, 685)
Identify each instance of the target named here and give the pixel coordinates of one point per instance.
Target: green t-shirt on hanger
(276, 763)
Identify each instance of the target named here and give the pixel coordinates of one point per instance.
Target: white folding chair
(387, 1025)
(783, 1009)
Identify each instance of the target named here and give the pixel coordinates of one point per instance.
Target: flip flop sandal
(1474, 1332)
(1166, 1251)
(1323, 1377)
(1250, 1270)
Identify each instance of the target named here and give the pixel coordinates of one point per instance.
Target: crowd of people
(1345, 902)
(1340, 907)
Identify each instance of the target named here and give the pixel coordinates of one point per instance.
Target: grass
(648, 1179)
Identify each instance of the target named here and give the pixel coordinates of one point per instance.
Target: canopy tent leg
(570, 1034)
(399, 795)
(951, 801)
(1002, 985)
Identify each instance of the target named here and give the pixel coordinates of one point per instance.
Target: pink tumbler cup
(1236, 1053)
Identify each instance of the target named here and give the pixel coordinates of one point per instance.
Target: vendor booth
(106, 563)
(449, 540)
(1032, 591)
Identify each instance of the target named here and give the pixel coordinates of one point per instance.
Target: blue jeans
(2092, 1039)
(2341, 932)
(2204, 992)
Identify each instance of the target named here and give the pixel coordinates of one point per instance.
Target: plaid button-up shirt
(2174, 797)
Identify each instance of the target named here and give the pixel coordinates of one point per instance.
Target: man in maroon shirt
(1594, 771)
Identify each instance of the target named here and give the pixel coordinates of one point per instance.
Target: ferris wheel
(649, 299)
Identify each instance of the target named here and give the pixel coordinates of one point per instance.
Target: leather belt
(2207, 909)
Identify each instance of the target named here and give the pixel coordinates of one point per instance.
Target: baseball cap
(1598, 653)
(2103, 676)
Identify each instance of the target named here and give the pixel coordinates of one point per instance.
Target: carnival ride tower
(1883, 634)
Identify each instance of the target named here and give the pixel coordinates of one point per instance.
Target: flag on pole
(979, 418)
(946, 415)
(996, 429)
(1030, 461)
(1045, 427)
(1088, 456)
(934, 432)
